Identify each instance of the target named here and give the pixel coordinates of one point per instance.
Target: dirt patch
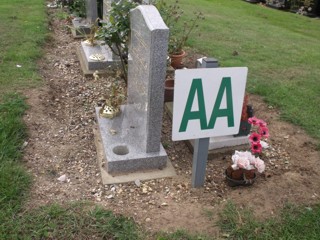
(61, 119)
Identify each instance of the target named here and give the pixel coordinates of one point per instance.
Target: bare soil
(61, 119)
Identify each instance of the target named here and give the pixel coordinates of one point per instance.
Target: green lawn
(281, 50)
(22, 32)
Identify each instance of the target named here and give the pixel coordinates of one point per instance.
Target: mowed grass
(23, 28)
(294, 222)
(281, 50)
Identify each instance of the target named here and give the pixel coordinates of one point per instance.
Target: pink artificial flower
(255, 137)
(262, 123)
(254, 121)
(259, 165)
(243, 163)
(264, 132)
(256, 147)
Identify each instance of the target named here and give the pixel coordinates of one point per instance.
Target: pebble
(62, 178)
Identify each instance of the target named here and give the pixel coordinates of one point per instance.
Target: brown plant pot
(240, 177)
(168, 90)
(176, 60)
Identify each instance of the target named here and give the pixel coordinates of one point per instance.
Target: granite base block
(80, 28)
(98, 49)
(121, 146)
(110, 178)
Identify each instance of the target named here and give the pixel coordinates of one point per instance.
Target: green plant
(117, 30)
(78, 8)
(179, 32)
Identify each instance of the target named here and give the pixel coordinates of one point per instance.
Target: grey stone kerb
(146, 72)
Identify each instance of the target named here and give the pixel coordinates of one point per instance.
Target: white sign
(208, 102)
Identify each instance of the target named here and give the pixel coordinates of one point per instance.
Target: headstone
(82, 26)
(92, 11)
(106, 9)
(136, 144)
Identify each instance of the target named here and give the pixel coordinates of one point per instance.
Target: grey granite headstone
(136, 144)
(92, 10)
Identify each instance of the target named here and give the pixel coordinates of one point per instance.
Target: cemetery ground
(59, 122)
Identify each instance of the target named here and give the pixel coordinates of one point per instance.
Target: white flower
(264, 144)
(259, 165)
(246, 160)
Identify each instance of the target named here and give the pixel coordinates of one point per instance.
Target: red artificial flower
(264, 132)
(256, 147)
(255, 137)
(253, 120)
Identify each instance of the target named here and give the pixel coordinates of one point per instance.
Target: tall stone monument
(136, 144)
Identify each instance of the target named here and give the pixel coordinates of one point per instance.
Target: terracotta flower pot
(176, 60)
(168, 90)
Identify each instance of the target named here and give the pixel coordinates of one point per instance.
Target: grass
(281, 50)
(294, 222)
(21, 37)
(72, 221)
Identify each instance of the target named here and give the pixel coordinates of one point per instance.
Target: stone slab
(80, 28)
(98, 49)
(86, 72)
(108, 178)
(122, 151)
(224, 144)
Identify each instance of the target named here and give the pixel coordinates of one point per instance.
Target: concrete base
(89, 66)
(122, 146)
(225, 144)
(108, 178)
(80, 28)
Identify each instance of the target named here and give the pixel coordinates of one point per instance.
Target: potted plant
(246, 164)
(179, 32)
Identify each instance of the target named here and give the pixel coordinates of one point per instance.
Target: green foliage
(294, 222)
(116, 31)
(78, 8)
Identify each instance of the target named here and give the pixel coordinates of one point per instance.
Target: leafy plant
(117, 30)
(179, 33)
(77, 7)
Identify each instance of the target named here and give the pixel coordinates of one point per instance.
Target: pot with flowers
(246, 164)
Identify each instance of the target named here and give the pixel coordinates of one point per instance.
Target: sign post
(207, 103)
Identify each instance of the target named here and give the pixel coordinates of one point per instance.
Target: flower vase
(240, 177)
(169, 90)
(176, 60)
